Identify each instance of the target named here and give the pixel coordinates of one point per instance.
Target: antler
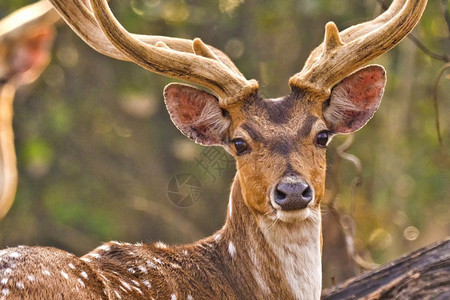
(342, 53)
(190, 60)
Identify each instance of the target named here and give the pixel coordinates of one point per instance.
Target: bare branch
(435, 99)
(446, 14)
(346, 222)
(427, 51)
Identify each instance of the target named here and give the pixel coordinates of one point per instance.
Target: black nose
(292, 193)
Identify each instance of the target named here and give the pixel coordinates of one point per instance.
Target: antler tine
(342, 53)
(37, 14)
(358, 30)
(178, 58)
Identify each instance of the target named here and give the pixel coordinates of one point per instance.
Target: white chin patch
(293, 216)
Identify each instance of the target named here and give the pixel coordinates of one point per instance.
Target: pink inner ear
(189, 110)
(32, 54)
(364, 88)
(354, 100)
(196, 113)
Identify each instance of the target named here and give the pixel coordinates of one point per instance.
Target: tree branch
(423, 274)
(435, 99)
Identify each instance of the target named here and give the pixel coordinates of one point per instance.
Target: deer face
(279, 144)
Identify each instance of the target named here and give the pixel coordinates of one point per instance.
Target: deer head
(279, 144)
(25, 40)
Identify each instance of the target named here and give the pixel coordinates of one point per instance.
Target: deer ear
(196, 114)
(355, 99)
(31, 54)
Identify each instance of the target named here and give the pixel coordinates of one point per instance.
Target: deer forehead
(278, 122)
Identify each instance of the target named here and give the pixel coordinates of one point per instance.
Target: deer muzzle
(292, 193)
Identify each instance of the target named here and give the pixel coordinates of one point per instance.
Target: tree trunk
(423, 274)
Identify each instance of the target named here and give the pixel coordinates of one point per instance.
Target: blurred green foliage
(96, 148)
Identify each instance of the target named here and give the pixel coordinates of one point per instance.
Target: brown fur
(238, 262)
(263, 251)
(204, 270)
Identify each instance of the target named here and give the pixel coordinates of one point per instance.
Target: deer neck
(8, 171)
(282, 260)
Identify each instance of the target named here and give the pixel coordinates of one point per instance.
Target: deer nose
(292, 193)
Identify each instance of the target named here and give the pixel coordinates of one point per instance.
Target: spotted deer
(270, 245)
(25, 40)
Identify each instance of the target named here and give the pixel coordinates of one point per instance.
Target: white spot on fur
(126, 285)
(143, 269)
(31, 278)
(135, 282)
(150, 264)
(189, 297)
(4, 281)
(117, 295)
(64, 274)
(71, 266)
(94, 255)
(85, 259)
(46, 272)
(217, 237)
(104, 248)
(160, 245)
(5, 292)
(147, 284)
(20, 285)
(185, 252)
(138, 290)
(173, 297)
(131, 270)
(104, 277)
(175, 266)
(15, 255)
(7, 271)
(84, 274)
(231, 249)
(3, 252)
(157, 260)
(81, 282)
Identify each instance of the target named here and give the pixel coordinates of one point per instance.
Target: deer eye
(322, 139)
(240, 145)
